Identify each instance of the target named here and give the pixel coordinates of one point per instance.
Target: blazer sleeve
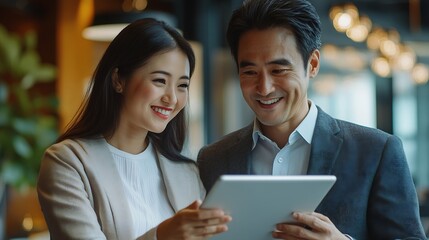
(64, 196)
(393, 206)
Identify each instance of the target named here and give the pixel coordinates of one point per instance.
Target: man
(276, 44)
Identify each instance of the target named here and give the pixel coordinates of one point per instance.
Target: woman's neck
(130, 143)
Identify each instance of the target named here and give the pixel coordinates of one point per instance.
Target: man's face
(272, 76)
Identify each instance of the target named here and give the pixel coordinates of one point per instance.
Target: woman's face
(156, 92)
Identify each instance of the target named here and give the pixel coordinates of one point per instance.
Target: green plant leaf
(10, 49)
(45, 73)
(3, 93)
(30, 40)
(12, 172)
(28, 119)
(25, 126)
(28, 63)
(46, 132)
(21, 146)
(25, 107)
(28, 81)
(4, 115)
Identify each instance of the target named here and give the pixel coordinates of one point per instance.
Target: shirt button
(280, 160)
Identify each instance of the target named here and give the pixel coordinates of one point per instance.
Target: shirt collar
(305, 129)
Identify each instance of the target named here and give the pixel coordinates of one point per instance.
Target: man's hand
(309, 226)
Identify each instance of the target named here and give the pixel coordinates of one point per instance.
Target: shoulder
(348, 130)
(356, 132)
(229, 142)
(72, 151)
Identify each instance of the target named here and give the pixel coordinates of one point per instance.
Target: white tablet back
(258, 202)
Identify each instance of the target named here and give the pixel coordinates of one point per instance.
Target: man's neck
(280, 133)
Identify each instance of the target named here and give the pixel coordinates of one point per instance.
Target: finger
(282, 235)
(321, 217)
(194, 205)
(214, 221)
(196, 218)
(210, 230)
(205, 214)
(293, 231)
(315, 221)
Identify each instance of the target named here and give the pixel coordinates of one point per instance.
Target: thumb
(194, 205)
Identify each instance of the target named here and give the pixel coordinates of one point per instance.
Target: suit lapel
(325, 146)
(102, 165)
(180, 182)
(240, 151)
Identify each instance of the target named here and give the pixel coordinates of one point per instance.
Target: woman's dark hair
(297, 15)
(129, 50)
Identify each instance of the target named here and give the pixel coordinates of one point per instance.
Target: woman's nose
(169, 97)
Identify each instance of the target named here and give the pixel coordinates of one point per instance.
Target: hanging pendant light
(105, 26)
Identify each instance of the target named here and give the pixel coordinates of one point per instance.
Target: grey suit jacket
(81, 193)
(374, 196)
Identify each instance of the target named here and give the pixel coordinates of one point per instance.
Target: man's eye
(279, 71)
(249, 72)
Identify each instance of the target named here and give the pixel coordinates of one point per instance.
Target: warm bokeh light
(381, 67)
(330, 52)
(134, 5)
(364, 20)
(357, 33)
(406, 59)
(103, 33)
(392, 55)
(352, 10)
(389, 48)
(140, 4)
(342, 22)
(27, 223)
(375, 37)
(420, 74)
(394, 35)
(334, 11)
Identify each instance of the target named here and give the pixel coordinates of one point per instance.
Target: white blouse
(145, 191)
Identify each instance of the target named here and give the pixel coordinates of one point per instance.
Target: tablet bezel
(258, 202)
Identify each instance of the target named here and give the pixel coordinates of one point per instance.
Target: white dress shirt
(267, 158)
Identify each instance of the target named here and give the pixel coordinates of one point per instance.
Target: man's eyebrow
(246, 64)
(280, 61)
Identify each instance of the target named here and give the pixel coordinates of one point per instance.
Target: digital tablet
(257, 203)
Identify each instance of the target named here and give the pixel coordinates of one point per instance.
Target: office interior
(374, 75)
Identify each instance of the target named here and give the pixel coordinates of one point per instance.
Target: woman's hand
(193, 223)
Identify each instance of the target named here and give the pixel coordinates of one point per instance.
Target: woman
(117, 171)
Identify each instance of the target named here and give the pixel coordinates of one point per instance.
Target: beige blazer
(81, 193)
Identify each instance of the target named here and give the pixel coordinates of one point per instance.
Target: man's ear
(314, 63)
(116, 81)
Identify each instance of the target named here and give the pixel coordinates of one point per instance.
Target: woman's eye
(159, 80)
(184, 85)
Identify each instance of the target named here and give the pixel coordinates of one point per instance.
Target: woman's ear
(116, 81)
(314, 63)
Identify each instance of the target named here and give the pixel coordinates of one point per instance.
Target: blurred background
(375, 61)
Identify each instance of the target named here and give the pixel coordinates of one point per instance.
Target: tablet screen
(258, 202)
